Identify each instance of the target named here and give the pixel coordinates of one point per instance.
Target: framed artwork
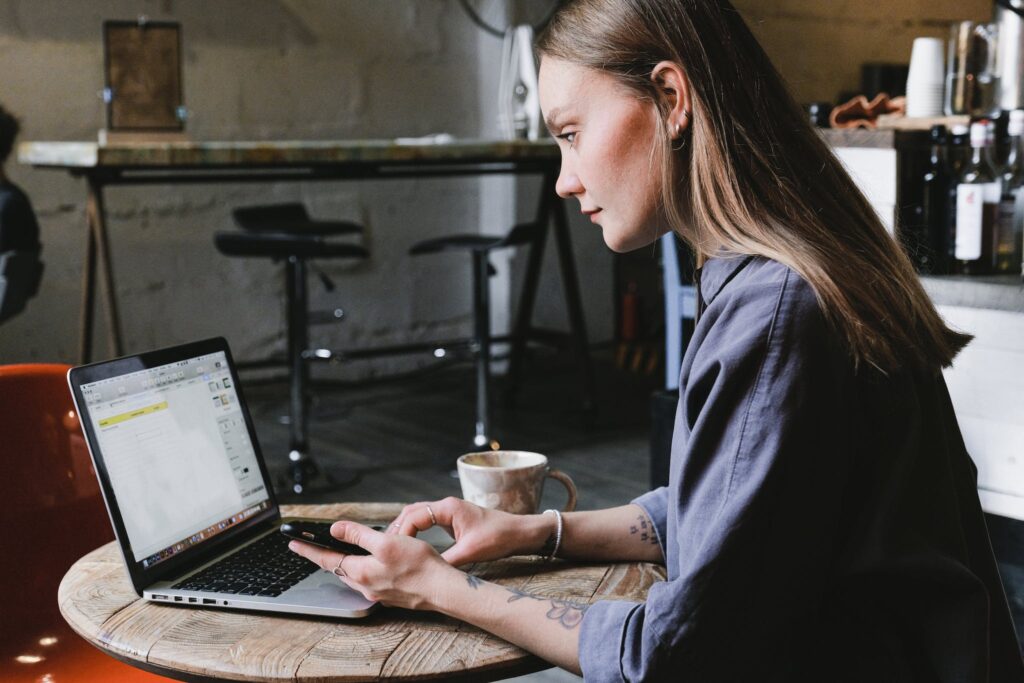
(142, 61)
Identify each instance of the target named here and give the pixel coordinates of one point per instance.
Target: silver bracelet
(558, 534)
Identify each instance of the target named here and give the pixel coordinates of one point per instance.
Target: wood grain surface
(97, 600)
(270, 153)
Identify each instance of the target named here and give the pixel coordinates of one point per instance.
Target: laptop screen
(177, 451)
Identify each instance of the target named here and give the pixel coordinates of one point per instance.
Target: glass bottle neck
(979, 155)
(1013, 156)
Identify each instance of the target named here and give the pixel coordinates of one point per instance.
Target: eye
(568, 137)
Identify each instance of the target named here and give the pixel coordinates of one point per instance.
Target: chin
(625, 243)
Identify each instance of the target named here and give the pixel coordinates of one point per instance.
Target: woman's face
(609, 160)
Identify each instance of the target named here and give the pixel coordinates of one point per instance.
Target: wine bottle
(1007, 235)
(933, 248)
(977, 202)
(958, 152)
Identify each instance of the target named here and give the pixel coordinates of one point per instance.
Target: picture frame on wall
(142, 70)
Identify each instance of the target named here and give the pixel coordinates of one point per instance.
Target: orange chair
(52, 514)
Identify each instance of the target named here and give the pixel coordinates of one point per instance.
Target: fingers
(416, 521)
(326, 559)
(358, 534)
(422, 516)
(337, 563)
(396, 526)
(456, 556)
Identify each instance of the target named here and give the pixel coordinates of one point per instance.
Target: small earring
(686, 113)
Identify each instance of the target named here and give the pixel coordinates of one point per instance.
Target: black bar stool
(479, 248)
(286, 232)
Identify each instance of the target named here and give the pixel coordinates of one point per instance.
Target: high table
(97, 600)
(168, 163)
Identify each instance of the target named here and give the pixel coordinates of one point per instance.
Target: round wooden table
(97, 600)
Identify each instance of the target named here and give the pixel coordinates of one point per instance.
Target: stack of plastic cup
(926, 79)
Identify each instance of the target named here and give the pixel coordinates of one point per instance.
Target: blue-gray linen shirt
(819, 523)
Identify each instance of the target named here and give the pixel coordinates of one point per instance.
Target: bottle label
(970, 204)
(992, 192)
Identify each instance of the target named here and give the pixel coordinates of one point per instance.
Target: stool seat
(290, 218)
(520, 234)
(283, 245)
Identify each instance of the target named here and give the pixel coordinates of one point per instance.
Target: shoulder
(760, 293)
(759, 315)
(12, 196)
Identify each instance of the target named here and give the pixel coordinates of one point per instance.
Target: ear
(674, 89)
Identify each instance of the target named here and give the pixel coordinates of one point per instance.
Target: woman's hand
(399, 571)
(480, 534)
(402, 571)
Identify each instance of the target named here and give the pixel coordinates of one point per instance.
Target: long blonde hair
(756, 178)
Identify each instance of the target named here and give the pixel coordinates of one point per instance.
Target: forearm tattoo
(473, 581)
(568, 614)
(645, 528)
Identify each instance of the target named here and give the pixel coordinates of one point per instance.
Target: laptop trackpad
(323, 589)
(437, 537)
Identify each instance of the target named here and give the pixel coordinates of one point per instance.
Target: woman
(821, 520)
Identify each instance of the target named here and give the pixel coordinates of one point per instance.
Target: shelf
(994, 292)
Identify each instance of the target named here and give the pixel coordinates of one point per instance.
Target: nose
(568, 183)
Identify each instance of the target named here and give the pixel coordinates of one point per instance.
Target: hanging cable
(500, 33)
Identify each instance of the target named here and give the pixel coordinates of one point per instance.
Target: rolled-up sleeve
(746, 518)
(604, 636)
(655, 504)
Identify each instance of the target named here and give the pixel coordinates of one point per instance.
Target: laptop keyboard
(265, 567)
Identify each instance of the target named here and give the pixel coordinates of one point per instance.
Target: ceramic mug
(509, 480)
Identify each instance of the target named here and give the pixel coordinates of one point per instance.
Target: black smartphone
(319, 534)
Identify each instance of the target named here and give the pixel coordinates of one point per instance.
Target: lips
(591, 214)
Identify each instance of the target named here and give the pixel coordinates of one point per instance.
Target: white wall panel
(986, 384)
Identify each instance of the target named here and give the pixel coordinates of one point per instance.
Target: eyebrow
(551, 120)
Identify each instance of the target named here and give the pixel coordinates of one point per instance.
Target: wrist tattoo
(567, 613)
(645, 528)
(473, 581)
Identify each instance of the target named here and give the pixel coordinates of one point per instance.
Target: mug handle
(570, 488)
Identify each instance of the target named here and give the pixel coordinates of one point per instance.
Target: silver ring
(338, 571)
(397, 526)
(433, 519)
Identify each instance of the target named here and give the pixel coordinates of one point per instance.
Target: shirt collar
(717, 271)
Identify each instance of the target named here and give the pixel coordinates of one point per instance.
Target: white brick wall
(264, 69)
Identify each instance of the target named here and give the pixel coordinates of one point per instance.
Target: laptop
(187, 488)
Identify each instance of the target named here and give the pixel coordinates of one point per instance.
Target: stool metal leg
(482, 342)
(303, 471)
(300, 466)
